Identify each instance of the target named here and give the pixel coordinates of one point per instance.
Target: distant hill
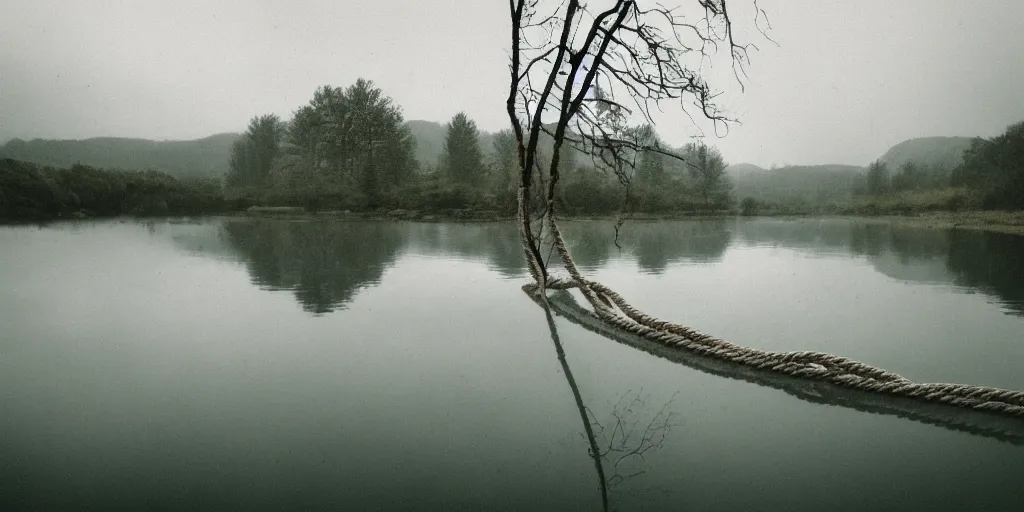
(430, 137)
(742, 170)
(206, 157)
(936, 152)
(814, 184)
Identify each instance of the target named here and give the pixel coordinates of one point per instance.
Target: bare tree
(590, 78)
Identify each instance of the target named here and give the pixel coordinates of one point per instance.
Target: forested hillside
(926, 173)
(200, 158)
(933, 152)
(798, 187)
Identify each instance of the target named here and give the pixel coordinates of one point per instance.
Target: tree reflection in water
(326, 262)
(323, 263)
(619, 444)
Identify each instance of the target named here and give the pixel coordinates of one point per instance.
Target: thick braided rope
(811, 365)
(993, 427)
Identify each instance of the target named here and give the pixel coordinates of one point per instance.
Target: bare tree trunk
(579, 79)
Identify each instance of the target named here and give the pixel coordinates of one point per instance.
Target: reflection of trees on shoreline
(1000, 272)
(496, 243)
(324, 263)
(661, 243)
(986, 261)
(655, 245)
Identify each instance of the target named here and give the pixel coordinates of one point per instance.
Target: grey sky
(850, 79)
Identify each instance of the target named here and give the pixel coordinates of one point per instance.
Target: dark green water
(240, 365)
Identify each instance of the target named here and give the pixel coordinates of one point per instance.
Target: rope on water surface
(609, 307)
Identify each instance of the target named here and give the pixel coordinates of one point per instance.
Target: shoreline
(1008, 222)
(987, 220)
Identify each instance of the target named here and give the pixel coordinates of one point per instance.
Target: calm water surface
(231, 364)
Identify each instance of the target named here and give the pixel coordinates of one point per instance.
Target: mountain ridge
(938, 152)
(209, 156)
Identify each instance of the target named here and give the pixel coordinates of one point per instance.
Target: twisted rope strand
(611, 308)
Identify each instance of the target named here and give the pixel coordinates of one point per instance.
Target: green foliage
(430, 137)
(202, 158)
(348, 143)
(749, 207)
(349, 149)
(916, 201)
(254, 154)
(434, 191)
(801, 188)
(463, 160)
(912, 166)
(33, 192)
(995, 169)
(504, 162)
(878, 180)
(29, 192)
(650, 169)
(588, 191)
(707, 170)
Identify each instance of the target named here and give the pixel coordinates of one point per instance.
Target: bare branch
(643, 53)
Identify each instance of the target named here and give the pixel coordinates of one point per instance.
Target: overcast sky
(848, 80)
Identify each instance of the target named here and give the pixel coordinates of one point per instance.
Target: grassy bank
(1001, 221)
(454, 215)
(916, 201)
(997, 221)
(439, 215)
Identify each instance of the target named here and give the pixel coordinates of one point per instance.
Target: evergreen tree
(878, 178)
(254, 154)
(463, 160)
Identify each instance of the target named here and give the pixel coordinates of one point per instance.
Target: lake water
(233, 364)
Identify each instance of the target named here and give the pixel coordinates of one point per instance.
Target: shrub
(39, 192)
(749, 207)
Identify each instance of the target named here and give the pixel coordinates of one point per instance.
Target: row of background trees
(350, 149)
(990, 176)
(276, 163)
(31, 191)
